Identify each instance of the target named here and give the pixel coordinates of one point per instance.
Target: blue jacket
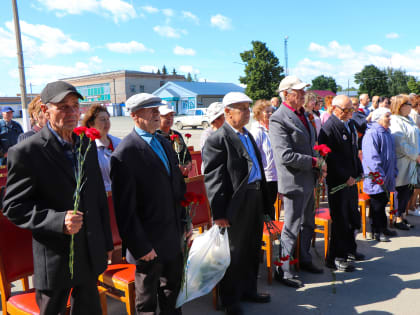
(379, 156)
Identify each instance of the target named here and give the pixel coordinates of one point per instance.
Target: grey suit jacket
(292, 145)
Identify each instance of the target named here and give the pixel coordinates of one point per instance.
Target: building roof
(125, 73)
(202, 88)
(323, 93)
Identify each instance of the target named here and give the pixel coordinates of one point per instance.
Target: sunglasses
(346, 110)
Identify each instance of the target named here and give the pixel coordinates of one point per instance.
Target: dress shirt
(155, 145)
(68, 147)
(260, 134)
(300, 113)
(104, 157)
(255, 170)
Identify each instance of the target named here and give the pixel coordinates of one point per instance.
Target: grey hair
(283, 97)
(363, 96)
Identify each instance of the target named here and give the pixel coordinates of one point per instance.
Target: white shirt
(260, 134)
(104, 158)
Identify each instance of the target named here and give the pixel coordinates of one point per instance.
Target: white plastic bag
(208, 259)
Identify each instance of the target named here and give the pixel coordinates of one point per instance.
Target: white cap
(379, 112)
(215, 110)
(235, 97)
(142, 100)
(165, 110)
(292, 82)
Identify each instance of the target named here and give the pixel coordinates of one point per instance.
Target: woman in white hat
(215, 113)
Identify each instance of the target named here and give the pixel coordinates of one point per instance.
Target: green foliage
(158, 72)
(413, 85)
(339, 88)
(324, 83)
(189, 78)
(372, 80)
(164, 71)
(397, 81)
(262, 71)
(174, 72)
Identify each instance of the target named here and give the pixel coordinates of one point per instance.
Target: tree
(413, 85)
(339, 88)
(158, 72)
(174, 72)
(324, 83)
(164, 71)
(397, 81)
(372, 81)
(262, 71)
(189, 78)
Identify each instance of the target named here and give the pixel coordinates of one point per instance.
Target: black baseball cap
(55, 92)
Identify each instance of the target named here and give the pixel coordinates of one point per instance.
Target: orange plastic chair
(322, 219)
(196, 156)
(268, 239)
(364, 203)
(118, 279)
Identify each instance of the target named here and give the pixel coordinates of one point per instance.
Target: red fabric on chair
(323, 213)
(278, 227)
(202, 215)
(122, 272)
(25, 302)
(196, 156)
(116, 239)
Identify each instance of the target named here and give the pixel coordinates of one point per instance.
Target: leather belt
(257, 185)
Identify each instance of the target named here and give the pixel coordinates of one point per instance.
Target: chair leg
(313, 239)
(130, 297)
(363, 213)
(25, 284)
(326, 239)
(215, 293)
(269, 255)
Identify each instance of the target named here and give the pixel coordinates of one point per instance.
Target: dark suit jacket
(360, 123)
(40, 189)
(146, 199)
(227, 166)
(343, 161)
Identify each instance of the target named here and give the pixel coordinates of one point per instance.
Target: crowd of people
(245, 172)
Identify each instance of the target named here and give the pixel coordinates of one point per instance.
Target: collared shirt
(104, 157)
(300, 113)
(155, 145)
(68, 147)
(255, 170)
(364, 109)
(260, 134)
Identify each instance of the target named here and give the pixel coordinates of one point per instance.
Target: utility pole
(26, 125)
(286, 57)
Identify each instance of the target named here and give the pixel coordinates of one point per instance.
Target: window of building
(141, 88)
(132, 88)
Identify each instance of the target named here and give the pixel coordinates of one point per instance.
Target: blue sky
(63, 38)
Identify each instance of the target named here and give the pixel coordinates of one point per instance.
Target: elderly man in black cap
(9, 132)
(39, 196)
(147, 188)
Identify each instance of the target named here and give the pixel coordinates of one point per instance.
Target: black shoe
(388, 232)
(234, 309)
(401, 226)
(356, 257)
(408, 224)
(257, 297)
(310, 267)
(290, 282)
(381, 237)
(343, 265)
(330, 264)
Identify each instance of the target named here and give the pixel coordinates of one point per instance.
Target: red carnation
(93, 134)
(277, 263)
(322, 149)
(173, 137)
(79, 130)
(285, 258)
(376, 175)
(184, 203)
(380, 181)
(189, 197)
(293, 262)
(200, 199)
(188, 135)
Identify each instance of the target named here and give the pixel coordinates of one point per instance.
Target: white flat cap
(215, 110)
(165, 110)
(143, 100)
(292, 82)
(235, 97)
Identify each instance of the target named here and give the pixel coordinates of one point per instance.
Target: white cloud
(189, 69)
(191, 16)
(374, 49)
(128, 48)
(150, 9)
(334, 50)
(178, 50)
(149, 68)
(221, 22)
(168, 12)
(167, 31)
(392, 35)
(39, 75)
(119, 10)
(38, 38)
(96, 59)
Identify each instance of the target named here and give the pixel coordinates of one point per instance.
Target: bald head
(343, 108)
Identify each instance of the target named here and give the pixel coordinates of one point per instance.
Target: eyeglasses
(407, 104)
(242, 109)
(346, 110)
